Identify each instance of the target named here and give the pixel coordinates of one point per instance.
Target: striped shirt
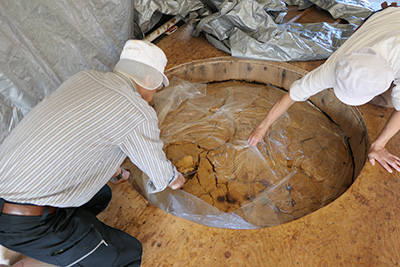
(67, 147)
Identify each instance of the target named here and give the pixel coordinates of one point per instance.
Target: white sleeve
(396, 94)
(313, 82)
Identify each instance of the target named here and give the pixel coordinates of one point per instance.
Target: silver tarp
(44, 42)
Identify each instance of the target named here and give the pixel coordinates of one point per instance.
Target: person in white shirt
(366, 68)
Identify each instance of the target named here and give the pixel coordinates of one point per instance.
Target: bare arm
(280, 107)
(378, 152)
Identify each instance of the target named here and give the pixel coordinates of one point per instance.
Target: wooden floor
(360, 228)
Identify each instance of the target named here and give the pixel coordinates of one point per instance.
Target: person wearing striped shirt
(55, 164)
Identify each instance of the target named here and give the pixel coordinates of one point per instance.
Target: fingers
(386, 159)
(386, 166)
(178, 183)
(395, 158)
(372, 161)
(387, 162)
(126, 174)
(393, 161)
(254, 139)
(395, 164)
(251, 141)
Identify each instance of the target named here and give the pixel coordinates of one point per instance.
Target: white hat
(361, 75)
(143, 62)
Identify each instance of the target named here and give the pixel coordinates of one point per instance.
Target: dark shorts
(71, 237)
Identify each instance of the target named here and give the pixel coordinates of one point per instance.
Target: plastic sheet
(302, 165)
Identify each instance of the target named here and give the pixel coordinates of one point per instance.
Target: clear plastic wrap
(303, 164)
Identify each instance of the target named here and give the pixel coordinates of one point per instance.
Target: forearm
(280, 107)
(391, 127)
(274, 113)
(145, 149)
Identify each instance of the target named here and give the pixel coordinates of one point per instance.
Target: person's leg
(77, 239)
(128, 248)
(71, 236)
(101, 246)
(100, 201)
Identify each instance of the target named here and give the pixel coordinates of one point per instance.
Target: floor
(360, 228)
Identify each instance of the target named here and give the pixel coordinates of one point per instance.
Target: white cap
(143, 62)
(361, 75)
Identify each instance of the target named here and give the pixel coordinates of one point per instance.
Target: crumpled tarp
(44, 42)
(252, 29)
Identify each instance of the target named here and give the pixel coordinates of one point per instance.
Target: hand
(178, 183)
(385, 158)
(280, 107)
(256, 136)
(121, 175)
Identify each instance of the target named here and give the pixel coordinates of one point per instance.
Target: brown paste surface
(303, 164)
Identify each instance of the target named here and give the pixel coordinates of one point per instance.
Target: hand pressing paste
(303, 164)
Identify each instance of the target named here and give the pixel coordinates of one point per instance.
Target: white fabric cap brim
(352, 100)
(144, 75)
(361, 75)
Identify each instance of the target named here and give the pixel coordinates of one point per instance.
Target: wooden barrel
(281, 75)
